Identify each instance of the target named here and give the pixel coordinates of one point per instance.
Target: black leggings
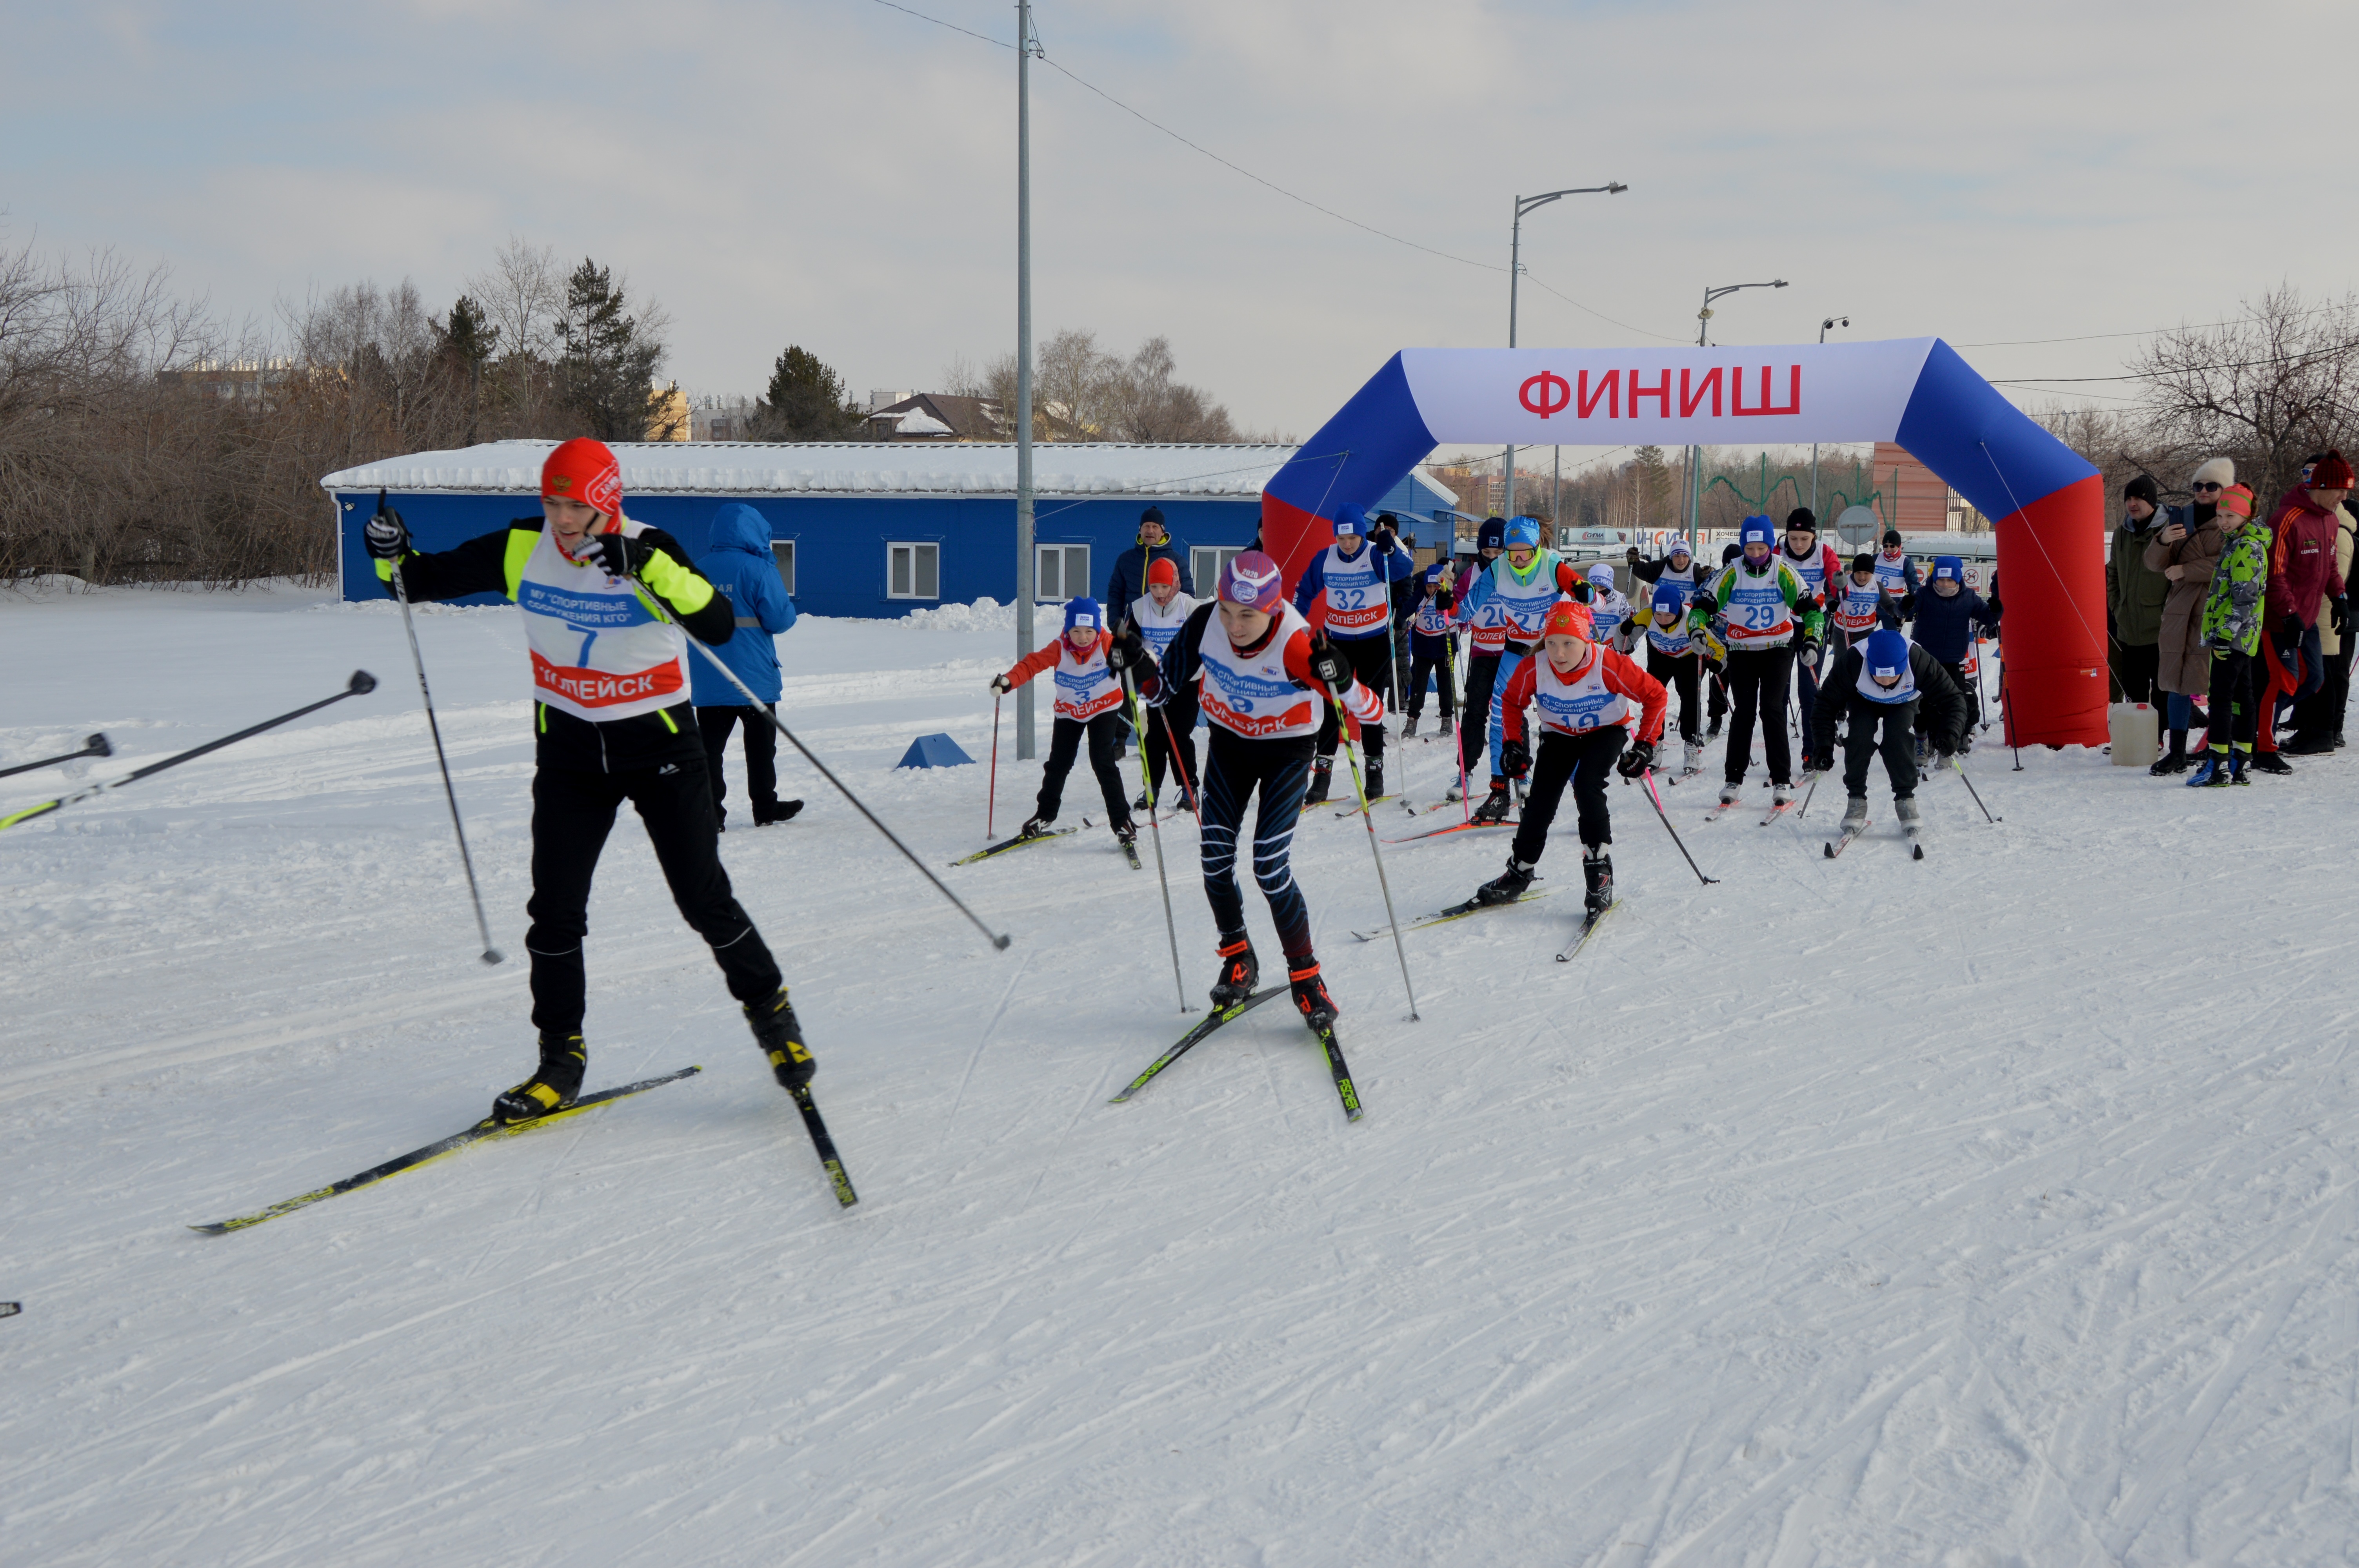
(1680, 670)
(1106, 731)
(1421, 670)
(1233, 766)
(572, 814)
(1898, 746)
(1587, 762)
(2236, 708)
(1474, 737)
(1757, 679)
(1163, 725)
(761, 755)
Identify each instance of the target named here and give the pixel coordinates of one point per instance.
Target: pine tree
(469, 341)
(1655, 498)
(807, 401)
(606, 373)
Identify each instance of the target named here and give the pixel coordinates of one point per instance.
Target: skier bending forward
(612, 723)
(1885, 676)
(1264, 684)
(1584, 690)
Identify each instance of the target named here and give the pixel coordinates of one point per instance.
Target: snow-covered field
(1992, 1209)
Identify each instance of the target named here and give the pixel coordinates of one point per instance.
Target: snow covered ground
(1992, 1209)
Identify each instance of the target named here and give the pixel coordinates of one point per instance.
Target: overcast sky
(840, 174)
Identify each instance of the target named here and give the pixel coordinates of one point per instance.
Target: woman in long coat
(2186, 551)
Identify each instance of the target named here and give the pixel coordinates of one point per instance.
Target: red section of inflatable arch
(1290, 537)
(2052, 644)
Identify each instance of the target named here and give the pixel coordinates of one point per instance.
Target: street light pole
(1514, 274)
(1695, 452)
(1024, 552)
(1825, 328)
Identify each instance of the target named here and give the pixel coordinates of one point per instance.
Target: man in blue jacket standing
(740, 566)
(1126, 583)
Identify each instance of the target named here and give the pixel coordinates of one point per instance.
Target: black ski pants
(1586, 761)
(1965, 686)
(1475, 736)
(1898, 746)
(1429, 660)
(1105, 733)
(1372, 663)
(1171, 733)
(2236, 706)
(1681, 671)
(1716, 678)
(761, 755)
(1233, 768)
(572, 812)
(1757, 679)
(2136, 668)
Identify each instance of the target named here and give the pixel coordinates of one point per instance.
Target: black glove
(1445, 599)
(1384, 539)
(1329, 666)
(2289, 634)
(1515, 758)
(1127, 651)
(1583, 590)
(1002, 685)
(2339, 608)
(386, 537)
(1638, 759)
(622, 555)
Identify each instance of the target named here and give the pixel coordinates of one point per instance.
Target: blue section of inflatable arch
(1983, 447)
(1366, 449)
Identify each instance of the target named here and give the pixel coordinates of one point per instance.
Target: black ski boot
(1140, 803)
(1240, 973)
(2266, 762)
(1034, 825)
(1494, 809)
(2173, 761)
(1310, 998)
(1322, 769)
(780, 1035)
(1376, 778)
(1409, 732)
(1508, 885)
(563, 1059)
(1597, 871)
(1127, 830)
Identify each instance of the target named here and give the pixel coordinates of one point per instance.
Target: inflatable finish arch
(2049, 503)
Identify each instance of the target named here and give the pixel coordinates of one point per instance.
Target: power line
(937, 21)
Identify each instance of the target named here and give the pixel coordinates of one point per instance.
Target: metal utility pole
(1694, 485)
(1825, 327)
(1515, 273)
(1024, 552)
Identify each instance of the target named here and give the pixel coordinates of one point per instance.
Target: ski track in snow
(1992, 1209)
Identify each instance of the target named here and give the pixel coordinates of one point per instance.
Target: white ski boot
(1729, 793)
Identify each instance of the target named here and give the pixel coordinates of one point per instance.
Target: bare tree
(523, 294)
(2266, 389)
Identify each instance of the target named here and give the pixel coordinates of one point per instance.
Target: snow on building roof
(845, 468)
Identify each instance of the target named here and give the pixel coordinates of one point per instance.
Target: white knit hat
(2220, 470)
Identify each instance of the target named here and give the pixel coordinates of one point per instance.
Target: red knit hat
(1162, 569)
(2332, 473)
(583, 470)
(1569, 617)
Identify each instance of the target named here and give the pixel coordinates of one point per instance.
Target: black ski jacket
(1938, 698)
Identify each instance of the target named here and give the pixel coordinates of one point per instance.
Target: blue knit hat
(1492, 534)
(1523, 534)
(1757, 530)
(1084, 612)
(1950, 567)
(1886, 652)
(1350, 518)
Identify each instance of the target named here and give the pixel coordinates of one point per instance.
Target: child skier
(612, 723)
(1671, 656)
(1766, 610)
(1429, 632)
(1821, 570)
(1355, 577)
(1089, 701)
(1486, 643)
(1157, 615)
(1609, 610)
(1266, 686)
(1513, 595)
(1584, 690)
(1887, 677)
(1898, 573)
(1946, 619)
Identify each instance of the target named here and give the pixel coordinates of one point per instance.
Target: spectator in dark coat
(2134, 593)
(1127, 582)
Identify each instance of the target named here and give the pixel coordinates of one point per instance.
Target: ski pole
(401, 591)
(360, 683)
(1351, 757)
(999, 940)
(1807, 793)
(1973, 791)
(1465, 808)
(1186, 783)
(1653, 794)
(991, 805)
(1155, 829)
(95, 746)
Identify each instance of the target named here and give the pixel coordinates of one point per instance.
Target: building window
(783, 551)
(1207, 565)
(1062, 571)
(913, 571)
